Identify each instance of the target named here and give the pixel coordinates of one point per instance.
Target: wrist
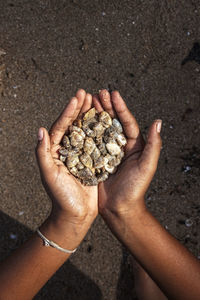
(124, 211)
(66, 232)
(120, 220)
(61, 217)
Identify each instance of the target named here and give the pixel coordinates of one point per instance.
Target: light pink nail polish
(40, 134)
(159, 126)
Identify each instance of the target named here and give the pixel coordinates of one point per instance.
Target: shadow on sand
(125, 287)
(193, 55)
(67, 283)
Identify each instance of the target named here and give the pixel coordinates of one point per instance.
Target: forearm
(171, 265)
(24, 273)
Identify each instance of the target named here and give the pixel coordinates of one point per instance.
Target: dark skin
(121, 204)
(120, 201)
(135, 162)
(58, 181)
(74, 208)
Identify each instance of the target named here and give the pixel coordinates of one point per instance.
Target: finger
(129, 123)
(105, 99)
(86, 105)
(64, 120)
(150, 156)
(96, 103)
(43, 153)
(80, 95)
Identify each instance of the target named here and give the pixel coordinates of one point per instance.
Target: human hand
(122, 194)
(72, 202)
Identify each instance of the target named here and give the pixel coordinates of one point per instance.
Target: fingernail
(159, 126)
(103, 91)
(73, 100)
(104, 94)
(40, 134)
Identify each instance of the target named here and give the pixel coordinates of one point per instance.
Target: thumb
(43, 153)
(150, 156)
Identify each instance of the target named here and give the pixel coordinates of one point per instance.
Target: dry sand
(149, 51)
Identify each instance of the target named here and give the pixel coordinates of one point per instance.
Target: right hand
(122, 194)
(72, 202)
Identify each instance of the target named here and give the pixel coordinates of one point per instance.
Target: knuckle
(40, 153)
(159, 142)
(37, 148)
(125, 123)
(48, 150)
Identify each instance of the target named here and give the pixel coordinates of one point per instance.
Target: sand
(150, 52)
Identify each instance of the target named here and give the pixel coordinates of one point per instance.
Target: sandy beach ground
(148, 50)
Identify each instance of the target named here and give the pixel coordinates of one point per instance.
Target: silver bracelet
(48, 243)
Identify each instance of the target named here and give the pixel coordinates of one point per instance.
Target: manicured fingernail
(40, 134)
(159, 126)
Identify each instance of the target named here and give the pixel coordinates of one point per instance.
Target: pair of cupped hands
(122, 195)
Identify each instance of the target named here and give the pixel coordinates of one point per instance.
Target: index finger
(64, 120)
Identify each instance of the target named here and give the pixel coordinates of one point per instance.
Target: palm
(68, 187)
(67, 193)
(122, 184)
(126, 181)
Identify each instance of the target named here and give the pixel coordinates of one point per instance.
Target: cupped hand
(70, 199)
(123, 192)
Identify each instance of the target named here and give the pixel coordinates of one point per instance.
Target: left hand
(121, 196)
(71, 201)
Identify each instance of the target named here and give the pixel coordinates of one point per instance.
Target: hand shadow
(125, 286)
(193, 55)
(67, 284)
